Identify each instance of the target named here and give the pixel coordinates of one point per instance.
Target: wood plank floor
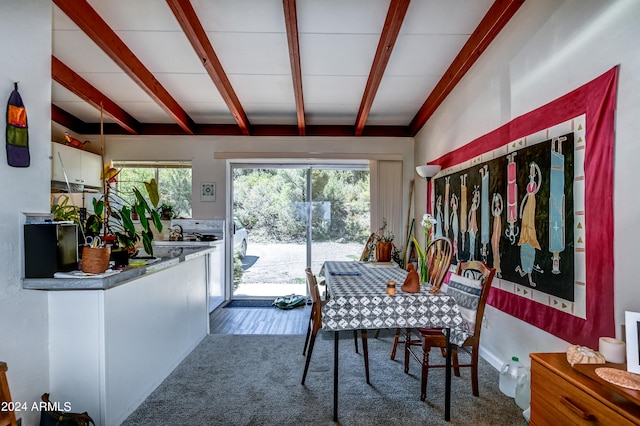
(259, 320)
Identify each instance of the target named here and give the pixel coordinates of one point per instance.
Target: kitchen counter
(169, 256)
(128, 331)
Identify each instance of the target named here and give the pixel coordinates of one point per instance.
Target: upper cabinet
(81, 167)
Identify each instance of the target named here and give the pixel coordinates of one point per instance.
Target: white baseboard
(491, 358)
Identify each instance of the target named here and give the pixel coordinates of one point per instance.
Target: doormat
(250, 303)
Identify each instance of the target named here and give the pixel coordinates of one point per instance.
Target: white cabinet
(126, 340)
(91, 168)
(82, 167)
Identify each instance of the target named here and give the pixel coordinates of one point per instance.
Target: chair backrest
(478, 270)
(439, 256)
(312, 286)
(314, 291)
(7, 417)
(366, 251)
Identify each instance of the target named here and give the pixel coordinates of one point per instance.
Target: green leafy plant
(383, 234)
(113, 214)
(63, 211)
(428, 222)
(93, 224)
(120, 222)
(166, 211)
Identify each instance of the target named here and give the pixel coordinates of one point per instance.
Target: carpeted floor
(255, 380)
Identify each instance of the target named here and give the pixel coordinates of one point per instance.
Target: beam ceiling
(97, 29)
(390, 31)
(194, 31)
(201, 30)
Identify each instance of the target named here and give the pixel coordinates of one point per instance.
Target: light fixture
(428, 170)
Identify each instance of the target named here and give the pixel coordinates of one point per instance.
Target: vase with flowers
(423, 263)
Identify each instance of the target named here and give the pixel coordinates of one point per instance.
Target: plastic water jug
(509, 376)
(523, 390)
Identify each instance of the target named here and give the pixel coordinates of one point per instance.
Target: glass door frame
(309, 166)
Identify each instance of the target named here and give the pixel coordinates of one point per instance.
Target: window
(174, 182)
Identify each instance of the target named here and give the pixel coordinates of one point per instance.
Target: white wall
(25, 56)
(549, 48)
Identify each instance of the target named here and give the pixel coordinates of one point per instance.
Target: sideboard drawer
(562, 395)
(560, 403)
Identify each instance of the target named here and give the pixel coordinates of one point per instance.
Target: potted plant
(113, 214)
(62, 210)
(166, 211)
(383, 240)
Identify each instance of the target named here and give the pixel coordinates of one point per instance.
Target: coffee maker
(50, 248)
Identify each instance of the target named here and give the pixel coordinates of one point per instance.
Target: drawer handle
(579, 411)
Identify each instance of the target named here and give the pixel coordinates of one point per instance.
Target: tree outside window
(174, 182)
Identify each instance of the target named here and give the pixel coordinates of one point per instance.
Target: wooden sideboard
(561, 394)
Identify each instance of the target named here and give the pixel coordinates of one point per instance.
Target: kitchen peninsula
(113, 340)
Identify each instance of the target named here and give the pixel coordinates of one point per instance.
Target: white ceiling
(337, 41)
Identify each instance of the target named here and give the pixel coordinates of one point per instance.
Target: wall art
(534, 199)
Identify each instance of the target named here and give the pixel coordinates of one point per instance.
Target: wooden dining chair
(470, 288)
(366, 251)
(7, 417)
(315, 323)
(439, 256)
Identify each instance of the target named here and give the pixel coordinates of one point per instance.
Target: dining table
(358, 300)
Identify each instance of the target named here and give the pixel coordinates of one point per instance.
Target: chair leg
(454, 361)
(355, 339)
(407, 349)
(306, 339)
(365, 349)
(377, 334)
(474, 372)
(396, 340)
(306, 364)
(425, 370)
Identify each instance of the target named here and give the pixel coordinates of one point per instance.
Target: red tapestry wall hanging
(534, 199)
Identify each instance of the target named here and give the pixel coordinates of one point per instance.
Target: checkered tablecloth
(359, 301)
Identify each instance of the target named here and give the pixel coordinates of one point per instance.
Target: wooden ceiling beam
(161, 129)
(188, 20)
(390, 30)
(85, 17)
(82, 88)
(496, 18)
(68, 120)
(291, 23)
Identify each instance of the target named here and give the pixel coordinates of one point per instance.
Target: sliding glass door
(293, 216)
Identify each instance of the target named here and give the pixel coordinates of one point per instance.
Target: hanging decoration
(17, 131)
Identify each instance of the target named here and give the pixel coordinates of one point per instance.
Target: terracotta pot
(383, 251)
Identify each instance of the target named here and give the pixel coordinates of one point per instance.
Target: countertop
(168, 256)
